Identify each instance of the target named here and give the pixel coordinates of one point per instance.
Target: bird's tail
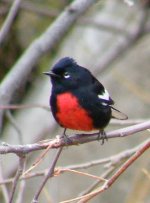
(118, 114)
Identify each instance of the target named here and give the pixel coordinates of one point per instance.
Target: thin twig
(24, 106)
(108, 184)
(22, 187)
(119, 171)
(37, 161)
(16, 179)
(48, 175)
(3, 188)
(97, 182)
(21, 190)
(110, 161)
(146, 173)
(9, 20)
(85, 174)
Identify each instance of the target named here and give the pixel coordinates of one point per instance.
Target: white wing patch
(104, 96)
(104, 104)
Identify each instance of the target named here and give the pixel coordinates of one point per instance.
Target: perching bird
(78, 100)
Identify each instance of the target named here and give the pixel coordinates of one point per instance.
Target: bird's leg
(102, 135)
(66, 139)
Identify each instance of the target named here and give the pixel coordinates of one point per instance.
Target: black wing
(105, 99)
(101, 93)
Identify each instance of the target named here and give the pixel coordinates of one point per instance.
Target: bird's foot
(67, 140)
(102, 136)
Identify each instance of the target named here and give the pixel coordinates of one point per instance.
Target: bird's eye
(66, 75)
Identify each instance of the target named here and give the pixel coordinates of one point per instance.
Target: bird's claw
(67, 140)
(102, 136)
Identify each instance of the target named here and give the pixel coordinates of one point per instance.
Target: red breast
(71, 115)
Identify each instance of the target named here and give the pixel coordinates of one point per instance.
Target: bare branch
(18, 174)
(110, 161)
(125, 44)
(24, 106)
(22, 188)
(107, 184)
(48, 175)
(113, 161)
(9, 20)
(97, 182)
(47, 41)
(116, 175)
(75, 139)
(20, 72)
(3, 188)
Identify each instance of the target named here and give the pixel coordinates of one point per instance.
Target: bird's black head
(66, 75)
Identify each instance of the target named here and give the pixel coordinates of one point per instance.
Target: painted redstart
(78, 100)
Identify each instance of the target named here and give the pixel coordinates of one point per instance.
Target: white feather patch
(104, 96)
(104, 104)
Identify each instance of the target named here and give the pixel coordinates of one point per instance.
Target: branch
(130, 40)
(46, 42)
(112, 162)
(48, 175)
(16, 179)
(21, 190)
(75, 139)
(108, 183)
(97, 182)
(108, 161)
(24, 106)
(4, 190)
(9, 20)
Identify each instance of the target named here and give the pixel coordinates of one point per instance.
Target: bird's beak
(51, 74)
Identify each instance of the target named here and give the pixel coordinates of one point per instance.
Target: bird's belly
(71, 115)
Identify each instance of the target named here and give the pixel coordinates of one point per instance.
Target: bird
(78, 100)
